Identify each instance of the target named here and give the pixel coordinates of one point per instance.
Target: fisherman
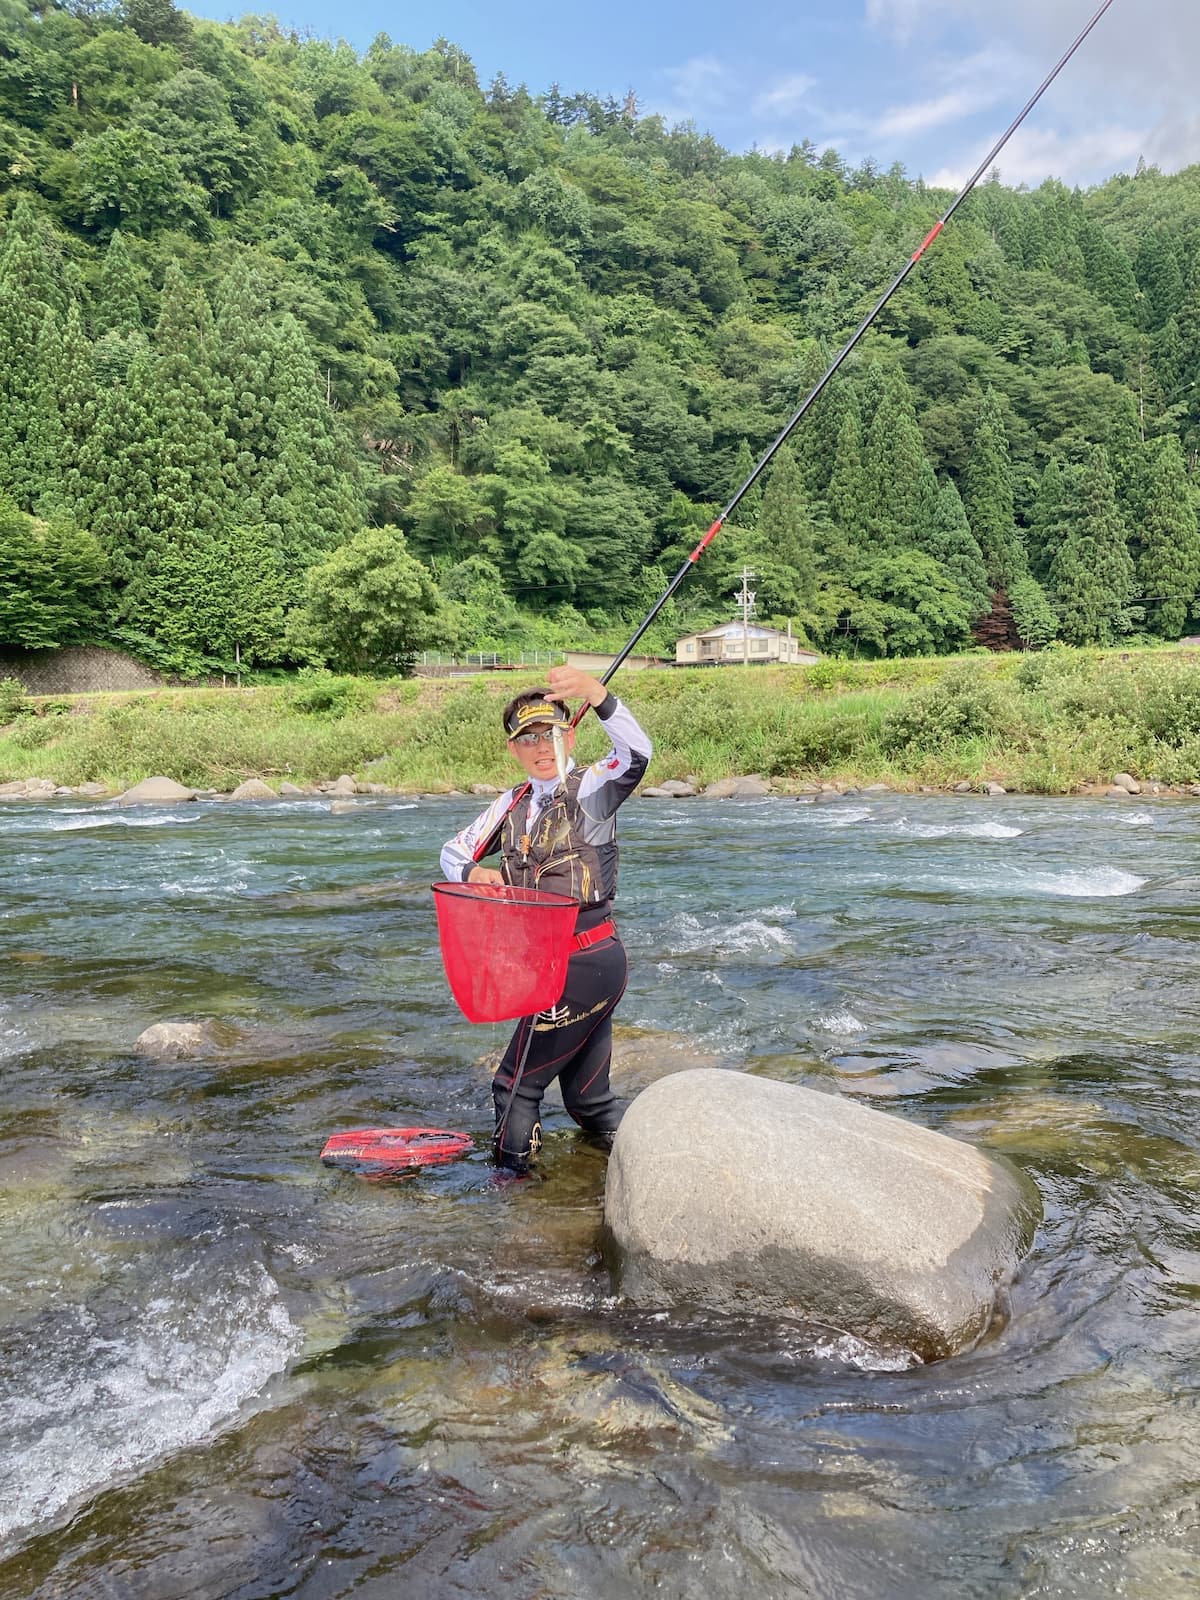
(558, 832)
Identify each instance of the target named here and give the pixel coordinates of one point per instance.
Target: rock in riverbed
(221, 1041)
(28, 789)
(183, 1041)
(747, 1195)
(156, 792)
(751, 788)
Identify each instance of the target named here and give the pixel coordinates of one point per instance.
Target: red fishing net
(505, 950)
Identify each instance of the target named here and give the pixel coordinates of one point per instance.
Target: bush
(819, 741)
(963, 705)
(1098, 694)
(325, 695)
(12, 699)
(1169, 705)
(1178, 764)
(467, 721)
(33, 733)
(833, 673)
(1040, 669)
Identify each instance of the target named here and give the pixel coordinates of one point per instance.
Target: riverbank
(1059, 722)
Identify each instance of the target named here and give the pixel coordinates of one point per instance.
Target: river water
(229, 1371)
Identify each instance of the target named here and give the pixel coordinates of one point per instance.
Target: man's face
(537, 756)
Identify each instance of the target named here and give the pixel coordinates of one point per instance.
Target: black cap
(533, 707)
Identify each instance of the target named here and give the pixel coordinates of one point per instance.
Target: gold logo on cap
(538, 713)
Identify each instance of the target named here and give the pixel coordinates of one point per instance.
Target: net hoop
(505, 949)
(394, 1149)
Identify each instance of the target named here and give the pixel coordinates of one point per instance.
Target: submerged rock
(183, 1041)
(640, 1056)
(744, 1194)
(220, 1040)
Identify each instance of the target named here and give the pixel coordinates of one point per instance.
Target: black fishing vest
(555, 856)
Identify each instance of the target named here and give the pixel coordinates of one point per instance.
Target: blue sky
(928, 83)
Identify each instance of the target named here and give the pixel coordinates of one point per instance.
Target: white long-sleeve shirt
(603, 788)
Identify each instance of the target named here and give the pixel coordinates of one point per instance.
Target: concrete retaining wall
(76, 669)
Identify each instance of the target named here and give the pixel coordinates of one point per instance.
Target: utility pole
(747, 599)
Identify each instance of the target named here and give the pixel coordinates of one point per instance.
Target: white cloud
(785, 97)
(955, 71)
(902, 17)
(1137, 67)
(693, 92)
(696, 81)
(1175, 142)
(921, 115)
(968, 86)
(1035, 154)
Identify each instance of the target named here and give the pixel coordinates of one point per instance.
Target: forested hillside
(311, 357)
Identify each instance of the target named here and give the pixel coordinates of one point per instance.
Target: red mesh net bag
(505, 950)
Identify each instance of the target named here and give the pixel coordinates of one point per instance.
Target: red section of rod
(928, 240)
(707, 540)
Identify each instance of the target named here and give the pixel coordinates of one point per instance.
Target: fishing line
(834, 366)
(530, 1024)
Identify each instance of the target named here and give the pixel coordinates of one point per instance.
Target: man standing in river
(560, 835)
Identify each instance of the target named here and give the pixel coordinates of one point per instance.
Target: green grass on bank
(1047, 723)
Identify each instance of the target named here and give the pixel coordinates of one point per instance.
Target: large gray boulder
(254, 789)
(157, 791)
(744, 1194)
(751, 788)
(671, 789)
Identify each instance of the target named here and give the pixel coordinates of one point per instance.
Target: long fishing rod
(486, 844)
(834, 366)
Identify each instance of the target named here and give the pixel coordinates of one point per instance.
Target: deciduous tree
(53, 582)
(370, 605)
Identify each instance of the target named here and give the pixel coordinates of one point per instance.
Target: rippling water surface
(227, 1371)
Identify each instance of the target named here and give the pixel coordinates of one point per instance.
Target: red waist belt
(596, 935)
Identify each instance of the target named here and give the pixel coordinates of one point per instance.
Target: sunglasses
(532, 737)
